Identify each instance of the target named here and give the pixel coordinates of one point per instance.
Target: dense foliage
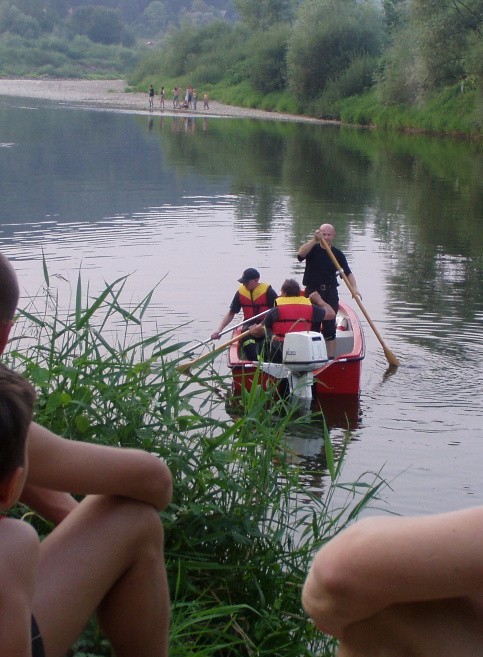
(303, 56)
(242, 527)
(311, 56)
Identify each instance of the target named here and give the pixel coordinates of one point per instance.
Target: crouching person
(105, 555)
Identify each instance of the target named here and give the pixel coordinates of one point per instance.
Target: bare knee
(132, 522)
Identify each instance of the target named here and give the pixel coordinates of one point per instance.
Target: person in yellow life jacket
(292, 312)
(253, 298)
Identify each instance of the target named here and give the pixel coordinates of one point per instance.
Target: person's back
(292, 312)
(19, 543)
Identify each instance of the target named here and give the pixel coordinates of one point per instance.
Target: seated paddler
(252, 297)
(292, 312)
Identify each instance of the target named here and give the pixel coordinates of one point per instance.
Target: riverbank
(112, 94)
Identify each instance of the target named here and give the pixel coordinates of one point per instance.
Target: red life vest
(294, 314)
(255, 302)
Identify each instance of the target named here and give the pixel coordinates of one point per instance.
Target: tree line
(304, 56)
(319, 52)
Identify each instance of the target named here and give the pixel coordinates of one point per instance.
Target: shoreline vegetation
(116, 94)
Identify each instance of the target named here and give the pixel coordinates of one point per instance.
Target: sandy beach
(111, 94)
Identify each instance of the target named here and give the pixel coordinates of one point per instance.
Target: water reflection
(185, 204)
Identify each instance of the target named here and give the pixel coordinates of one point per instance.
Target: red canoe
(341, 376)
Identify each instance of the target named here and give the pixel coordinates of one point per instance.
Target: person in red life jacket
(321, 275)
(253, 297)
(292, 312)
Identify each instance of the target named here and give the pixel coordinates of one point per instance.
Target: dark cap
(248, 275)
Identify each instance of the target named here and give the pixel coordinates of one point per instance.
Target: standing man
(253, 298)
(151, 96)
(321, 276)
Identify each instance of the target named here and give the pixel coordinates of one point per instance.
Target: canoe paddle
(185, 367)
(391, 358)
(227, 330)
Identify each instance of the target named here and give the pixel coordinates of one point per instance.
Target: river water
(190, 202)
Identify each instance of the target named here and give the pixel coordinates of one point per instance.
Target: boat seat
(344, 342)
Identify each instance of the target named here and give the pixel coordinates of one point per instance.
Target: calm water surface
(190, 203)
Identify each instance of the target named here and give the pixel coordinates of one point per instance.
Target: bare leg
(330, 344)
(107, 555)
(446, 628)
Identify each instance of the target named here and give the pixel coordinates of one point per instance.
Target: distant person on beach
(161, 98)
(397, 587)
(206, 104)
(321, 276)
(195, 99)
(176, 97)
(105, 554)
(253, 297)
(151, 96)
(292, 312)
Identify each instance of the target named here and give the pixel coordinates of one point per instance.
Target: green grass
(242, 527)
(450, 111)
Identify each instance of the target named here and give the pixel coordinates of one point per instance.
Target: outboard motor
(303, 352)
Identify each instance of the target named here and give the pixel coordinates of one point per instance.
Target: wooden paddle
(391, 358)
(227, 330)
(185, 367)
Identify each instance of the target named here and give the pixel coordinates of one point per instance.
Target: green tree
(267, 65)
(100, 24)
(261, 14)
(395, 12)
(15, 21)
(444, 30)
(434, 48)
(327, 36)
(155, 17)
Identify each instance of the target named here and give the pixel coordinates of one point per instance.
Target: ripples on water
(420, 424)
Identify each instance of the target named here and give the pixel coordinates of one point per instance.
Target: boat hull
(341, 376)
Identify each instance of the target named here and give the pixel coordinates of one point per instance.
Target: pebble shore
(111, 94)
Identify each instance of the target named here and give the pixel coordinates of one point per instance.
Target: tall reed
(242, 528)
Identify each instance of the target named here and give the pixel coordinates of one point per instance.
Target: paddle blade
(391, 358)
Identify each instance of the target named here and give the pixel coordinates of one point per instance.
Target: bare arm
(352, 281)
(83, 468)
(51, 504)
(224, 322)
(307, 247)
(318, 301)
(381, 562)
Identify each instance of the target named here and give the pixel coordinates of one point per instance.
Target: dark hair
(291, 288)
(9, 290)
(17, 398)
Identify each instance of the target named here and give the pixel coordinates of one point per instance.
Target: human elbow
(324, 593)
(164, 485)
(332, 594)
(157, 480)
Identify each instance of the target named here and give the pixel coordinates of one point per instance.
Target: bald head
(327, 228)
(327, 231)
(9, 290)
